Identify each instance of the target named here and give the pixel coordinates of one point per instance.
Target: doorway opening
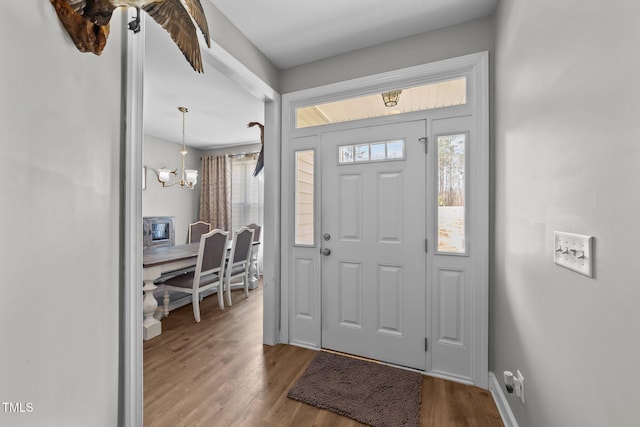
(133, 96)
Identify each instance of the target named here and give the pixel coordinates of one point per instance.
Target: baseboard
(449, 377)
(501, 402)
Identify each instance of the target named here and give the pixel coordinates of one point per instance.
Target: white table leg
(165, 303)
(151, 326)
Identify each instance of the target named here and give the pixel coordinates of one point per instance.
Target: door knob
(326, 251)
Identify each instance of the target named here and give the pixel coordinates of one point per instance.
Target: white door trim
(131, 400)
(474, 65)
(131, 396)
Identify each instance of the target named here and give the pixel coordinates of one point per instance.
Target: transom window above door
(442, 94)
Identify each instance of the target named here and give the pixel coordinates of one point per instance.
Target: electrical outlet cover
(574, 251)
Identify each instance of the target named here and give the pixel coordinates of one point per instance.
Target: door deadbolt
(327, 236)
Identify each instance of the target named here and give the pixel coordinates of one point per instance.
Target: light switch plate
(574, 251)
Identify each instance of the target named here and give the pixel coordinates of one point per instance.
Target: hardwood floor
(218, 373)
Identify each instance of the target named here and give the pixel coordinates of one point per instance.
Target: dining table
(166, 259)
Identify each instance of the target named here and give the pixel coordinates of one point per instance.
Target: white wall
(59, 209)
(181, 203)
(458, 40)
(567, 149)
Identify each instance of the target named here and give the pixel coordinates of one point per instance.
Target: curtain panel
(215, 193)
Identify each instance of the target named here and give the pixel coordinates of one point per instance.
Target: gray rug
(368, 392)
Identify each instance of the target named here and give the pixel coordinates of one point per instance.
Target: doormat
(368, 392)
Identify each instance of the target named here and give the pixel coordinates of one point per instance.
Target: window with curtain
(215, 191)
(246, 192)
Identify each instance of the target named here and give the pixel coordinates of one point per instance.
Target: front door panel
(373, 268)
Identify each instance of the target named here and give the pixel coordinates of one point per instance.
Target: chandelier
(188, 177)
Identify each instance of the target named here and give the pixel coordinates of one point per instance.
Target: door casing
(306, 330)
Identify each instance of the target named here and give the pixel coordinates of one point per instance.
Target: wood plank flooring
(218, 373)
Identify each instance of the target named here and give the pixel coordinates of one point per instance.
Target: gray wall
(181, 203)
(227, 36)
(566, 158)
(60, 120)
(469, 37)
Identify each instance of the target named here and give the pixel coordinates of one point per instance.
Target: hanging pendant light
(391, 98)
(188, 177)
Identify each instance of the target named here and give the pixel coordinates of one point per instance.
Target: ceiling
(294, 32)
(219, 109)
(289, 33)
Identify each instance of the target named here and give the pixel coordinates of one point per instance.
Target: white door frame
(131, 371)
(476, 67)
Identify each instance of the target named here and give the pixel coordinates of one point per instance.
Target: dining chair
(239, 260)
(256, 231)
(208, 274)
(254, 249)
(197, 229)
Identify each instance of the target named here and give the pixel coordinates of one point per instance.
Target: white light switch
(574, 251)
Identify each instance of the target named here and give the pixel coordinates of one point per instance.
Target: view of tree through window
(451, 193)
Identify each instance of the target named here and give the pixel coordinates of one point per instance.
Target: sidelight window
(452, 178)
(304, 198)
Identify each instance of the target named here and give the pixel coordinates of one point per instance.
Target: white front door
(373, 230)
